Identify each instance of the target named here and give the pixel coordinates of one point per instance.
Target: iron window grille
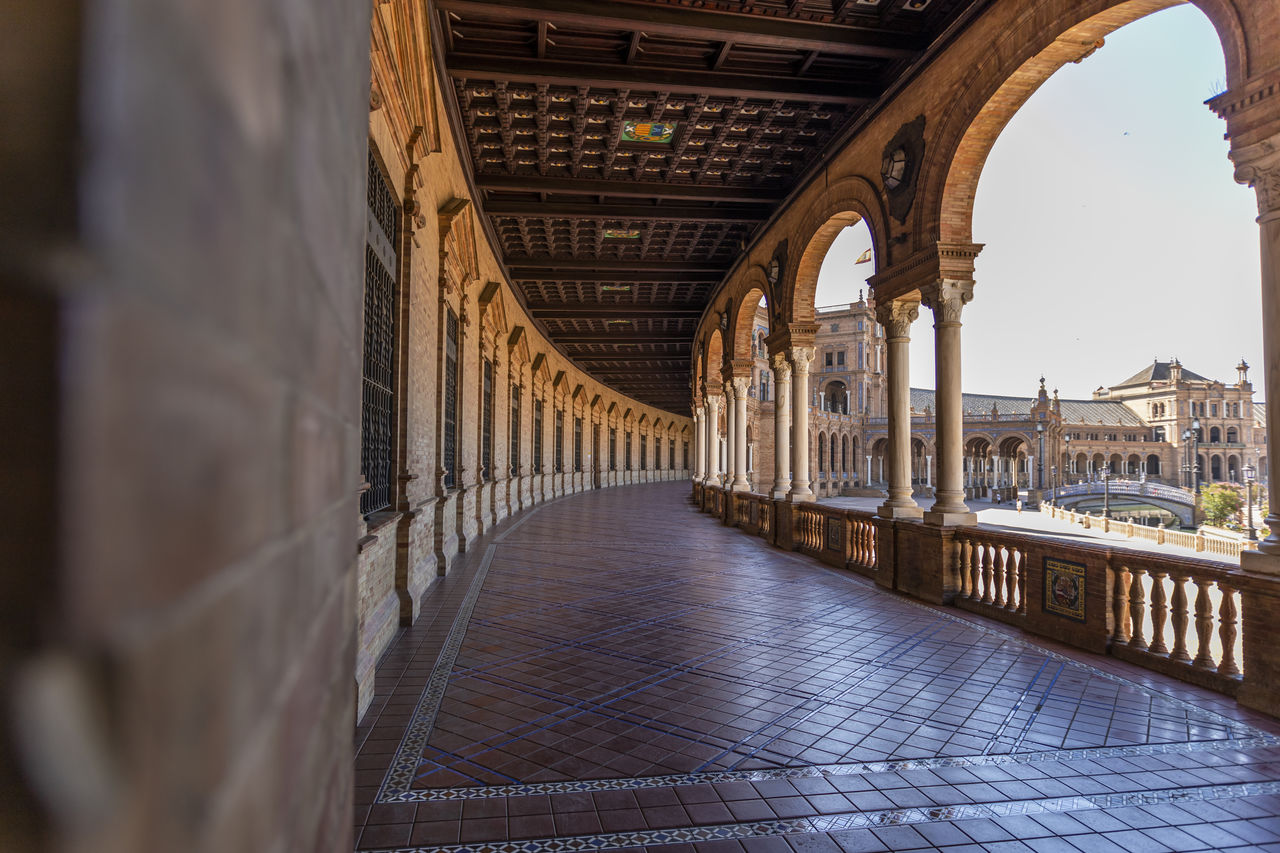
(515, 430)
(450, 438)
(559, 441)
(577, 444)
(627, 452)
(486, 421)
(613, 449)
(537, 436)
(644, 450)
(377, 409)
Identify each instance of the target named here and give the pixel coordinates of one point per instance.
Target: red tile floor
(615, 670)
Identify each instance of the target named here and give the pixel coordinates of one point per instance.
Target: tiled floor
(615, 670)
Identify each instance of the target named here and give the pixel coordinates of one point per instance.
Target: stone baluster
(1180, 619)
(1204, 627)
(1228, 630)
(1137, 609)
(1159, 611)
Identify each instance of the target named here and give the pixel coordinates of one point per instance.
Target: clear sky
(1114, 232)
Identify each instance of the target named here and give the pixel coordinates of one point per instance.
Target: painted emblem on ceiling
(648, 131)
(621, 234)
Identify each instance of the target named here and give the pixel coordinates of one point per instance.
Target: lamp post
(1249, 474)
(1195, 455)
(1066, 467)
(1040, 456)
(1053, 483)
(1106, 491)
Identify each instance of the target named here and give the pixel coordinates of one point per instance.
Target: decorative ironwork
(377, 410)
(626, 456)
(671, 453)
(644, 453)
(449, 440)
(613, 449)
(486, 421)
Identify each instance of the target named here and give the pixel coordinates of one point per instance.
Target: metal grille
(486, 421)
(377, 410)
(537, 436)
(626, 458)
(515, 430)
(671, 453)
(559, 441)
(450, 438)
(613, 449)
(644, 452)
(684, 450)
(577, 444)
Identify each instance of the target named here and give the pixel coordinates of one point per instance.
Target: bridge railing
(1178, 615)
(1201, 541)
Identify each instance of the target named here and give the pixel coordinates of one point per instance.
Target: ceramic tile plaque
(1064, 588)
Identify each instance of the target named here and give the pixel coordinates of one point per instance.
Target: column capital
(800, 356)
(741, 384)
(781, 366)
(947, 298)
(897, 315)
(1258, 165)
(730, 392)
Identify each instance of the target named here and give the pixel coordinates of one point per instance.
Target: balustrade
(1177, 615)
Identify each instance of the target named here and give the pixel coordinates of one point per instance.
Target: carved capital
(781, 367)
(896, 316)
(947, 298)
(741, 384)
(800, 358)
(1258, 166)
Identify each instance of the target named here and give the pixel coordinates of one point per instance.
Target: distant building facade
(1141, 428)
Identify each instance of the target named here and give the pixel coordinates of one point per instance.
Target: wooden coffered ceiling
(617, 245)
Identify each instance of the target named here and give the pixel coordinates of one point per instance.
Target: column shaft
(740, 481)
(947, 299)
(800, 358)
(896, 317)
(781, 427)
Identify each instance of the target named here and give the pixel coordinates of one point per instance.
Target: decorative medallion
(648, 131)
(621, 234)
(900, 166)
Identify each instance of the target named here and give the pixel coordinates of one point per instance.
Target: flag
(864, 257)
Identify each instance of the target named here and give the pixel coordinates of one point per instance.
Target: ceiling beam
(614, 275)
(630, 357)
(610, 311)
(665, 79)
(573, 210)
(621, 338)
(626, 189)
(611, 265)
(655, 20)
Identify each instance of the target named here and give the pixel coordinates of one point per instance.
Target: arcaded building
(365, 368)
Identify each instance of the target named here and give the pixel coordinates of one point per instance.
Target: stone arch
(1233, 435)
(742, 321)
(712, 380)
(1153, 465)
(845, 202)
(822, 451)
(1215, 435)
(835, 396)
(1043, 38)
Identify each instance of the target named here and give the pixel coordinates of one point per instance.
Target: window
(861, 357)
(1213, 410)
(559, 451)
(835, 327)
(450, 438)
(515, 430)
(486, 420)
(626, 456)
(537, 436)
(577, 444)
(827, 359)
(859, 325)
(613, 449)
(644, 449)
(840, 358)
(378, 398)
(671, 453)
(684, 451)
(764, 386)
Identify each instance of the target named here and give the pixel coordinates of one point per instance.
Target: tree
(1220, 502)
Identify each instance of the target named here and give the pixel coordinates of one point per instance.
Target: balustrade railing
(1178, 616)
(992, 571)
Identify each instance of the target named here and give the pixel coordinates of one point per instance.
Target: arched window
(1233, 435)
(1215, 435)
(822, 453)
(1153, 466)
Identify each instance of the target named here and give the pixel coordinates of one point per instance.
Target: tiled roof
(1073, 411)
(1157, 372)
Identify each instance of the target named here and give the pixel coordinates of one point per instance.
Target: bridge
(1177, 501)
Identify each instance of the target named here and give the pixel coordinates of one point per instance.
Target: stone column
(947, 299)
(897, 316)
(740, 481)
(781, 426)
(800, 358)
(730, 433)
(699, 432)
(1258, 165)
(713, 439)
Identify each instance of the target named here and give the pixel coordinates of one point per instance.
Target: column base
(740, 487)
(1260, 563)
(950, 519)
(805, 497)
(886, 511)
(779, 493)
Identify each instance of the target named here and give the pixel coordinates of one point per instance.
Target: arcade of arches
(307, 305)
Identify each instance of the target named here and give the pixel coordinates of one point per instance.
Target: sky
(1114, 231)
